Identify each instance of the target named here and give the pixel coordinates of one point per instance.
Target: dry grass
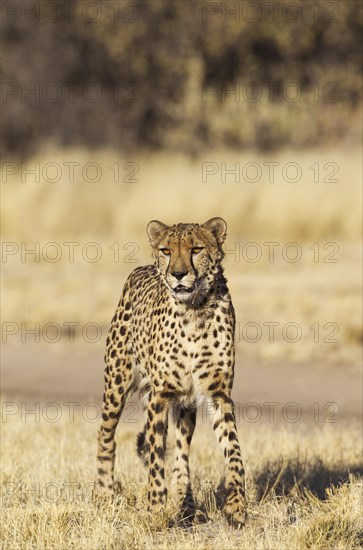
(172, 189)
(304, 490)
(304, 487)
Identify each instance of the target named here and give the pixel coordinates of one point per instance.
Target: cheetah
(172, 337)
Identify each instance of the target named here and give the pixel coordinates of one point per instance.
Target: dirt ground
(303, 394)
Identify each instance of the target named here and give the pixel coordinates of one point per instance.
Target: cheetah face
(188, 256)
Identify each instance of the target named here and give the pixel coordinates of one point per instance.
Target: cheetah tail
(142, 446)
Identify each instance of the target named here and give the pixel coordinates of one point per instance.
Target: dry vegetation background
(132, 74)
(141, 152)
(321, 221)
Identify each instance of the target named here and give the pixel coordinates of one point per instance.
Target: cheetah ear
(218, 227)
(155, 229)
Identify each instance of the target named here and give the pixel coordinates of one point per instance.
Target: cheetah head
(188, 256)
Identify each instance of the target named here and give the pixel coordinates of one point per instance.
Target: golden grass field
(304, 490)
(62, 220)
(304, 481)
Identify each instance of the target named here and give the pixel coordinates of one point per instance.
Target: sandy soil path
(58, 373)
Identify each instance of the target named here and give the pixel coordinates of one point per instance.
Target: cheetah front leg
(224, 425)
(156, 432)
(118, 385)
(181, 487)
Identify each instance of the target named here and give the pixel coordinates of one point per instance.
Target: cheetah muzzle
(172, 338)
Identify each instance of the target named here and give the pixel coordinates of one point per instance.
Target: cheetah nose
(179, 274)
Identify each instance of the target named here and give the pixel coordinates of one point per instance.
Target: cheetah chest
(188, 350)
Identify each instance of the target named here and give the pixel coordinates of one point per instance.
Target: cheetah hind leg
(185, 419)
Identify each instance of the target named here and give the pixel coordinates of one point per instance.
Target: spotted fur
(172, 337)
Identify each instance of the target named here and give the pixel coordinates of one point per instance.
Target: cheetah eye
(165, 251)
(197, 249)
